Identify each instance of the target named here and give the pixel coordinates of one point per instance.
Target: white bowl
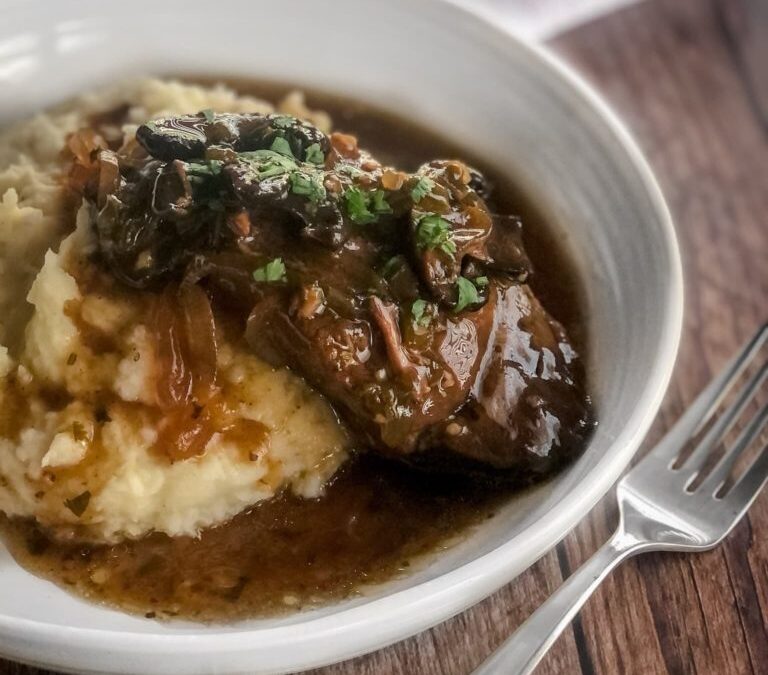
(512, 103)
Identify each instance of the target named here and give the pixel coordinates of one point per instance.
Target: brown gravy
(376, 518)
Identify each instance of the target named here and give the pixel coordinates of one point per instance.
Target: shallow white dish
(510, 102)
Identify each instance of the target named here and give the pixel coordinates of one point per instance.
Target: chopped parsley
(269, 163)
(205, 169)
(357, 207)
(392, 265)
(283, 121)
(271, 170)
(78, 504)
(422, 188)
(208, 114)
(421, 311)
(434, 231)
(314, 155)
(282, 147)
(274, 270)
(468, 294)
(349, 169)
(481, 282)
(379, 203)
(308, 186)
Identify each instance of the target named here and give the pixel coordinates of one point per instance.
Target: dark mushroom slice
(480, 184)
(267, 180)
(188, 136)
(152, 225)
(504, 248)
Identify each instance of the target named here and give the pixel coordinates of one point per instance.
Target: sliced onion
(200, 337)
(173, 377)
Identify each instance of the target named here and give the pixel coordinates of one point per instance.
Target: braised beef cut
(400, 296)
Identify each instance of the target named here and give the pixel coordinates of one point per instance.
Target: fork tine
(722, 469)
(702, 409)
(740, 497)
(726, 420)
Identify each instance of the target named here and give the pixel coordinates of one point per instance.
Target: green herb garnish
(392, 265)
(421, 317)
(208, 114)
(308, 186)
(274, 270)
(78, 504)
(378, 202)
(282, 121)
(468, 294)
(422, 188)
(315, 155)
(349, 169)
(269, 163)
(434, 231)
(481, 282)
(206, 169)
(282, 147)
(357, 207)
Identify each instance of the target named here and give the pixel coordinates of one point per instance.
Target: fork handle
(521, 653)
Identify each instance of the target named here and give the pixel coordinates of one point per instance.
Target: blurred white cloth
(542, 19)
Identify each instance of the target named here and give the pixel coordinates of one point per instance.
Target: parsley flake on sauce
(348, 169)
(357, 207)
(208, 114)
(274, 270)
(203, 169)
(392, 265)
(421, 316)
(379, 203)
(434, 231)
(422, 188)
(315, 155)
(282, 147)
(282, 121)
(468, 294)
(308, 186)
(268, 163)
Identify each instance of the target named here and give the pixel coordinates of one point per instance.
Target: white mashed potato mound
(92, 471)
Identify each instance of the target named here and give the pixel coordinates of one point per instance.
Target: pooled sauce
(285, 554)
(376, 518)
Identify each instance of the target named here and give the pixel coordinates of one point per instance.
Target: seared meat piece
(390, 383)
(399, 296)
(495, 387)
(526, 410)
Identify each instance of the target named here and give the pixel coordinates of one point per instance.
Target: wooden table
(685, 75)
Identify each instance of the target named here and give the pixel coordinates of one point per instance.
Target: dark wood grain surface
(690, 78)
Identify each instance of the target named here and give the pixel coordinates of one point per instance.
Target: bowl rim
(382, 621)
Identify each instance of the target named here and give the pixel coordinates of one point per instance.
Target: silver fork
(660, 508)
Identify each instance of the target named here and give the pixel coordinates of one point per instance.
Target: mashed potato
(79, 421)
